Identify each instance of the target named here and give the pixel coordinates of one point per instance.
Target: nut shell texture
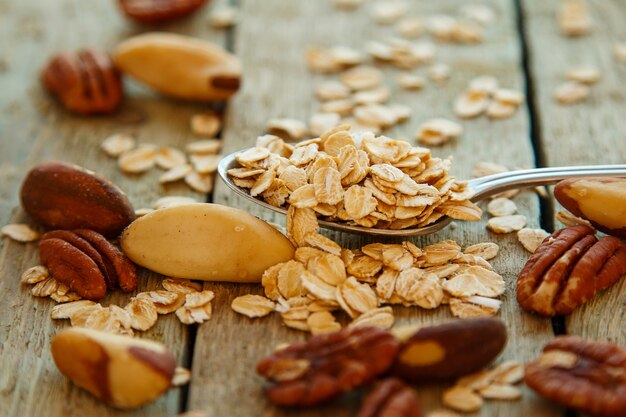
(64, 196)
(85, 82)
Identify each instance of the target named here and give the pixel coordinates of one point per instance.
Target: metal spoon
(483, 187)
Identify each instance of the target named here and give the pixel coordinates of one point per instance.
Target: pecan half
(154, 11)
(85, 82)
(568, 269)
(86, 262)
(390, 398)
(586, 376)
(327, 365)
(117, 264)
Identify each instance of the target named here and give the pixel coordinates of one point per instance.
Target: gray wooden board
(34, 129)
(278, 84)
(584, 133)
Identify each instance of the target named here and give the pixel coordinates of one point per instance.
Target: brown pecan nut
(72, 267)
(122, 270)
(586, 376)
(155, 11)
(64, 196)
(86, 262)
(85, 82)
(568, 269)
(327, 365)
(390, 397)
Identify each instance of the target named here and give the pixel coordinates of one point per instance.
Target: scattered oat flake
(388, 11)
(462, 399)
(206, 146)
(362, 78)
(531, 238)
(34, 275)
(168, 157)
(571, 92)
(501, 207)
(190, 315)
(498, 110)
(20, 232)
(471, 104)
(506, 224)
(174, 174)
(223, 17)
(486, 250)
(143, 313)
(574, 18)
(182, 376)
(165, 301)
(116, 145)
(567, 219)
(138, 160)
(45, 287)
(253, 305)
(202, 183)
(410, 27)
(585, 75)
(67, 310)
(619, 51)
(181, 286)
(475, 306)
(290, 129)
(206, 124)
(410, 81)
(198, 298)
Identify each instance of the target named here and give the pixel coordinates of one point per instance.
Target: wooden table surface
(523, 49)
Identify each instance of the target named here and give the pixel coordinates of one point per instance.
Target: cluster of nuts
(325, 366)
(568, 269)
(357, 178)
(89, 81)
(196, 167)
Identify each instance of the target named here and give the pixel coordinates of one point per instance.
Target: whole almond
(180, 66)
(64, 196)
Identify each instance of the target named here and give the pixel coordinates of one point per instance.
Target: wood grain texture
(34, 129)
(586, 133)
(278, 84)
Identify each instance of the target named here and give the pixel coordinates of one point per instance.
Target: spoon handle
(493, 184)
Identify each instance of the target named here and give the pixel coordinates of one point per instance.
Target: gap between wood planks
(546, 204)
(193, 329)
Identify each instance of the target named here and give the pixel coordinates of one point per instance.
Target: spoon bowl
(483, 187)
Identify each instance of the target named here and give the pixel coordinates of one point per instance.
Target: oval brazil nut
(205, 241)
(180, 66)
(123, 371)
(449, 350)
(602, 201)
(59, 195)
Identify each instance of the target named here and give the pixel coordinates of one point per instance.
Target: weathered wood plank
(586, 133)
(35, 129)
(278, 84)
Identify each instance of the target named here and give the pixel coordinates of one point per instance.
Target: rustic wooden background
(523, 49)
